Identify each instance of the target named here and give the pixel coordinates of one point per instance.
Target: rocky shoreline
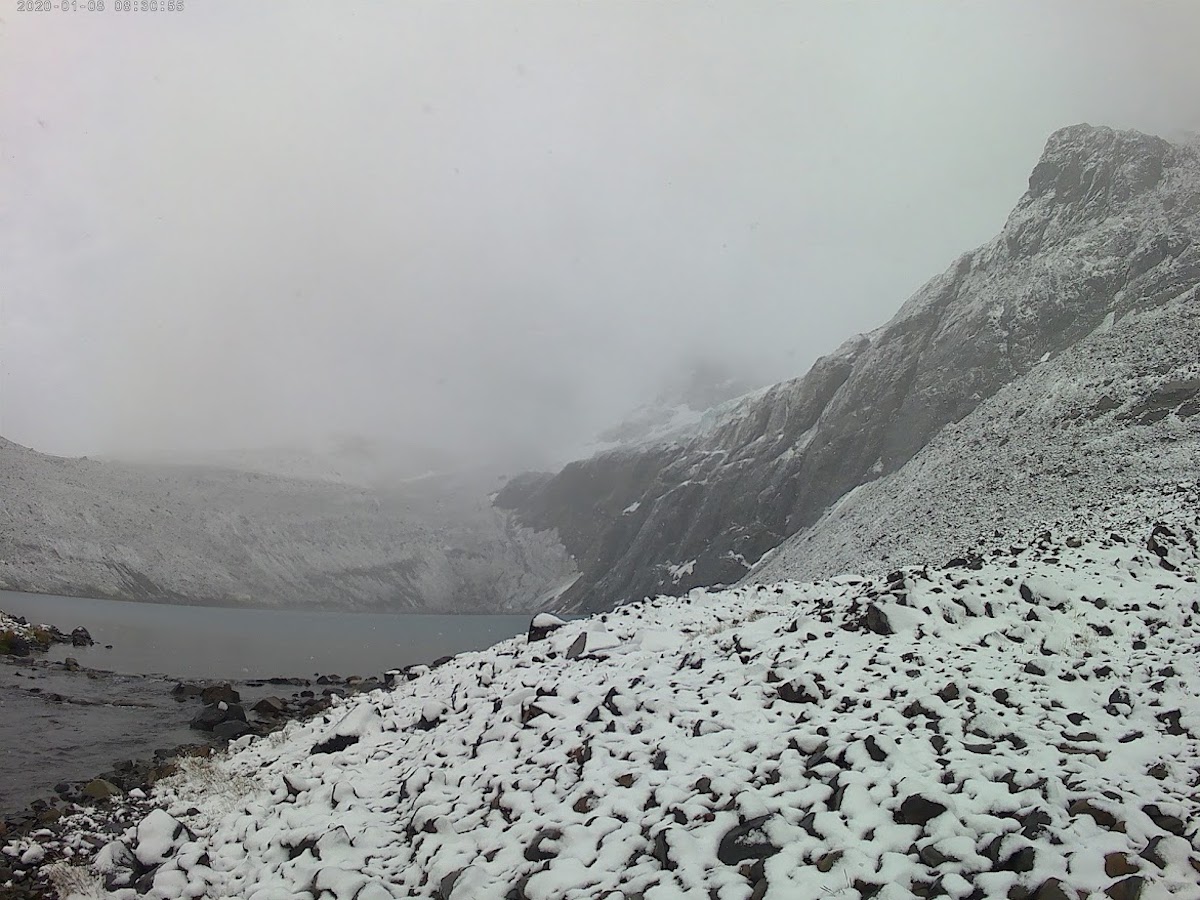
(104, 805)
(1019, 723)
(21, 639)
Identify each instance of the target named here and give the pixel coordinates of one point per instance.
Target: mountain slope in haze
(1116, 417)
(210, 535)
(1107, 229)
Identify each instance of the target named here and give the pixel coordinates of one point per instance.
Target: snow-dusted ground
(1023, 723)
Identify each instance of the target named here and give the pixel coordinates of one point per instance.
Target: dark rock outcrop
(212, 716)
(1107, 227)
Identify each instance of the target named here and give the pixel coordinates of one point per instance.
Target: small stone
(1034, 823)
(1171, 824)
(918, 810)
(932, 856)
(828, 861)
(1021, 861)
(1053, 889)
(99, 789)
(1152, 854)
(535, 852)
(1118, 864)
(446, 885)
(1127, 888)
(746, 841)
(790, 693)
(1102, 817)
(578, 646)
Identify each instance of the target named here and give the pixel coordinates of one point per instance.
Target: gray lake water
(68, 726)
(217, 642)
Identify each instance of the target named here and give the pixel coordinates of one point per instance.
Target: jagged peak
(1083, 161)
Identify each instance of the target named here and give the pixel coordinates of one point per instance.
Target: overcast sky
(495, 226)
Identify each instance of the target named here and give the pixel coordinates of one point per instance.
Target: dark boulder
(918, 810)
(746, 841)
(271, 706)
(16, 645)
(1127, 888)
(334, 744)
(220, 693)
(81, 638)
(212, 716)
(184, 691)
(230, 729)
(1117, 865)
(795, 693)
(877, 621)
(1102, 817)
(1054, 889)
(542, 625)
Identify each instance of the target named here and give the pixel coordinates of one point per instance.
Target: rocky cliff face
(1108, 228)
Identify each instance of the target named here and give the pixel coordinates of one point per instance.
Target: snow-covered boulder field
(1021, 723)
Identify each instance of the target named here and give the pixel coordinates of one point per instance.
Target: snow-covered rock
(1028, 726)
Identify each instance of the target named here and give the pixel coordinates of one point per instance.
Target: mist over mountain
(219, 535)
(1049, 367)
(1084, 304)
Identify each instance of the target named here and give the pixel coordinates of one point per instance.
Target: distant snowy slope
(1023, 727)
(1117, 415)
(210, 535)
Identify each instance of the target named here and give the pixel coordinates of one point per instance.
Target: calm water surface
(131, 713)
(213, 642)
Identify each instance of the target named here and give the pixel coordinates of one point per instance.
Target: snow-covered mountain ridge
(1106, 232)
(197, 534)
(1022, 724)
(1113, 418)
